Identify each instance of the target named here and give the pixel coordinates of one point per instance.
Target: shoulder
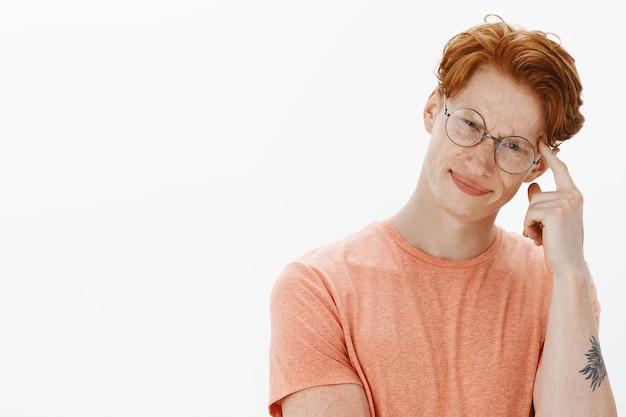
(371, 238)
(337, 256)
(329, 272)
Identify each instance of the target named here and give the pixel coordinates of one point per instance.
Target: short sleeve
(307, 346)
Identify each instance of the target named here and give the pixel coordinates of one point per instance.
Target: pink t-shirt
(424, 336)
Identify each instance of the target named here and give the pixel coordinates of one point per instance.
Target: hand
(555, 218)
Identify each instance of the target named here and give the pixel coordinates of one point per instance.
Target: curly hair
(528, 57)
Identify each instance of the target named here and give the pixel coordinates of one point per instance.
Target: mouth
(468, 186)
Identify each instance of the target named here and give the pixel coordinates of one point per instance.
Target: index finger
(562, 179)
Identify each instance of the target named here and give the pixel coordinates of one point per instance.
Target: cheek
(510, 189)
(441, 151)
(435, 155)
(440, 145)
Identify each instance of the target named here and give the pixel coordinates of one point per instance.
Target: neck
(439, 233)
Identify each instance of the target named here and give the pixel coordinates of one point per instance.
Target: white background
(160, 162)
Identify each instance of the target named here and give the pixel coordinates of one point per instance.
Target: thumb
(533, 189)
(532, 229)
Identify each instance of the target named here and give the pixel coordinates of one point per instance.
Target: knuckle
(576, 196)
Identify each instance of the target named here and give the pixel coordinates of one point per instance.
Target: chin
(470, 213)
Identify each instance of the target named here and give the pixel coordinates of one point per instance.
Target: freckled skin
(508, 109)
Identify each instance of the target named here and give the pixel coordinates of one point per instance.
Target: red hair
(528, 57)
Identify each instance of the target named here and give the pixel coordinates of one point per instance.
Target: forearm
(572, 380)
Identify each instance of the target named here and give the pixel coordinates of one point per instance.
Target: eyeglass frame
(485, 133)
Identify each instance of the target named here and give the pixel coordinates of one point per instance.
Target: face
(466, 182)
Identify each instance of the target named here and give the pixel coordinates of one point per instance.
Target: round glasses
(466, 127)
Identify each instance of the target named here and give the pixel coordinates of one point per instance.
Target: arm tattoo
(595, 369)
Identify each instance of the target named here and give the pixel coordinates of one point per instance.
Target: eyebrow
(484, 120)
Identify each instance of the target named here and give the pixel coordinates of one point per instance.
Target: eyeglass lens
(466, 127)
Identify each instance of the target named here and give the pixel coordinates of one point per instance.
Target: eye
(473, 125)
(513, 146)
(516, 145)
(470, 121)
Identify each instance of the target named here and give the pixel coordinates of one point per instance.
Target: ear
(431, 109)
(537, 171)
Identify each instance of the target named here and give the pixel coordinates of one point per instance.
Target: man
(437, 311)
